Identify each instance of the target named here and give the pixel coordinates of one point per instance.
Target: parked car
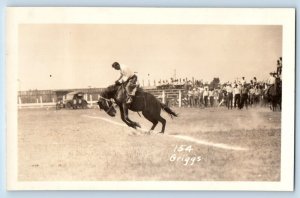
(60, 103)
(74, 100)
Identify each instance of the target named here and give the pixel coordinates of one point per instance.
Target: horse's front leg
(123, 117)
(126, 117)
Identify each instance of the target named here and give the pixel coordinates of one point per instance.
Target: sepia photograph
(186, 99)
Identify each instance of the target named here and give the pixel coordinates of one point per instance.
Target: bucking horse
(274, 94)
(143, 102)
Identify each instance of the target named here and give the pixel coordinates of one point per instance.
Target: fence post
(179, 98)
(41, 100)
(91, 99)
(98, 96)
(163, 96)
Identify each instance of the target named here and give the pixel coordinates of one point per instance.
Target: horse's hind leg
(163, 122)
(151, 119)
(154, 125)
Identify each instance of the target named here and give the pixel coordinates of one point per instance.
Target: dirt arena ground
(213, 144)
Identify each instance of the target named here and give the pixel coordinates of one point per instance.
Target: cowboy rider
(271, 81)
(129, 78)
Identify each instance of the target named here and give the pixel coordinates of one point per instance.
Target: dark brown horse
(274, 93)
(142, 101)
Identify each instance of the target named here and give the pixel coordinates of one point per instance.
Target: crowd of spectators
(238, 93)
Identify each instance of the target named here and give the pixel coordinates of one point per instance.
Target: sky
(66, 56)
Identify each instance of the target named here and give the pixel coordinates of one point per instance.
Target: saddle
(137, 95)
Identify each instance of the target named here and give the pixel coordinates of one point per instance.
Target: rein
(106, 100)
(108, 110)
(122, 86)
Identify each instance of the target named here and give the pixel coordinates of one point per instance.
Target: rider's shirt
(126, 72)
(271, 80)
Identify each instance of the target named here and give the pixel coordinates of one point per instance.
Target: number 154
(181, 148)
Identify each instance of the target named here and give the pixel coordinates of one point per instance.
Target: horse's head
(107, 106)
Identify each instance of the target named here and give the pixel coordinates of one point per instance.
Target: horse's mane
(108, 91)
(111, 88)
(140, 89)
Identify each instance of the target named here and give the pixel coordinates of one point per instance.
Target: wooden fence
(48, 98)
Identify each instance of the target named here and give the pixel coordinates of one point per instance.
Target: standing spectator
(244, 97)
(196, 96)
(251, 94)
(211, 97)
(237, 95)
(254, 80)
(258, 94)
(201, 90)
(229, 95)
(223, 96)
(205, 96)
(243, 81)
(216, 96)
(190, 97)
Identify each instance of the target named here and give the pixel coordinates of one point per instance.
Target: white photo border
(16, 16)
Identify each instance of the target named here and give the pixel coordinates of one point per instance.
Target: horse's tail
(168, 110)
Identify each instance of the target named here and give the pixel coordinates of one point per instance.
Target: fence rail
(43, 99)
(47, 104)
